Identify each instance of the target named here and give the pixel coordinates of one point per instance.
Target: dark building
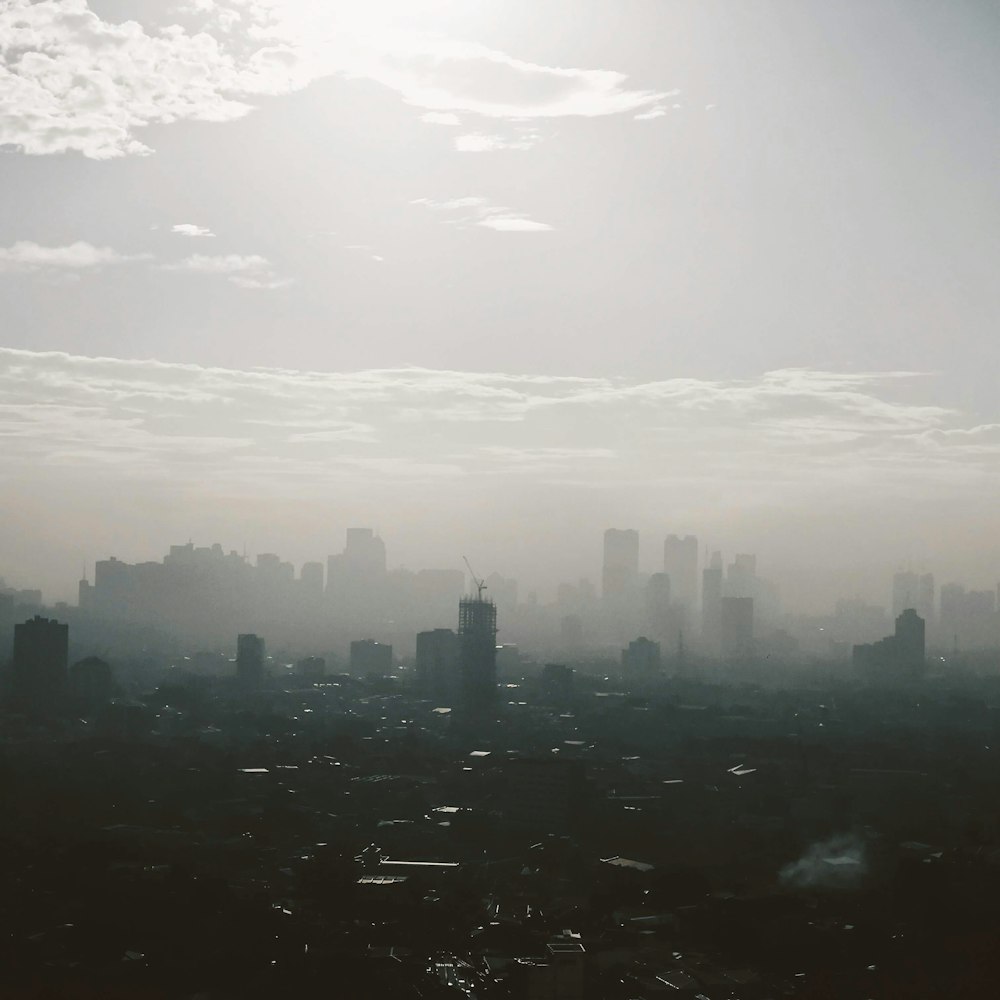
(557, 682)
(370, 658)
(311, 669)
(437, 665)
(897, 657)
(38, 667)
(91, 682)
(641, 659)
(477, 633)
(250, 660)
(736, 627)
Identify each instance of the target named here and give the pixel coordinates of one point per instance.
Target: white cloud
(480, 142)
(514, 224)
(780, 438)
(71, 81)
(243, 270)
(189, 229)
(28, 256)
(440, 118)
(656, 111)
(476, 211)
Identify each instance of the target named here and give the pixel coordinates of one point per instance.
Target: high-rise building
(438, 664)
(249, 660)
(642, 659)
(356, 579)
(620, 575)
(898, 657)
(711, 603)
(736, 627)
(680, 563)
(370, 658)
(477, 631)
(38, 666)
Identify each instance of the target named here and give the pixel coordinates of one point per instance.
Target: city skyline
(280, 268)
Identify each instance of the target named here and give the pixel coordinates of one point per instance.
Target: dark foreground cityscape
(223, 779)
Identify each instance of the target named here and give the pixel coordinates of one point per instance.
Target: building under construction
(477, 631)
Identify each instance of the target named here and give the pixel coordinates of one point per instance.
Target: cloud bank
(72, 81)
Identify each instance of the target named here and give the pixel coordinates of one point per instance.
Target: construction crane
(480, 584)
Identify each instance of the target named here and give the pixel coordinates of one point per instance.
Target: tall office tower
(680, 563)
(477, 633)
(438, 666)
(736, 628)
(370, 658)
(741, 577)
(658, 611)
(38, 665)
(911, 640)
(356, 578)
(913, 590)
(711, 603)
(249, 660)
(620, 575)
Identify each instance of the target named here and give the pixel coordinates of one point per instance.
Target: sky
(494, 275)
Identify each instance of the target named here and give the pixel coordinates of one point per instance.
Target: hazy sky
(494, 275)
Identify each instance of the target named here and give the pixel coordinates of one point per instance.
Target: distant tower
(477, 633)
(38, 667)
(620, 575)
(711, 603)
(249, 660)
(680, 563)
(437, 664)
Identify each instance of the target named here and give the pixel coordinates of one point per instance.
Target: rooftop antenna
(480, 584)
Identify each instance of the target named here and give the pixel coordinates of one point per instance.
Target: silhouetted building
(370, 658)
(38, 665)
(901, 656)
(437, 664)
(736, 627)
(91, 682)
(477, 631)
(620, 575)
(311, 669)
(557, 682)
(641, 659)
(250, 660)
(680, 563)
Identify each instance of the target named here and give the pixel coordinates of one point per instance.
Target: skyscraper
(680, 563)
(620, 574)
(477, 631)
(38, 667)
(437, 664)
(711, 602)
(249, 660)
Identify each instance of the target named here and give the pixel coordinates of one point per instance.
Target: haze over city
(283, 268)
(498, 499)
